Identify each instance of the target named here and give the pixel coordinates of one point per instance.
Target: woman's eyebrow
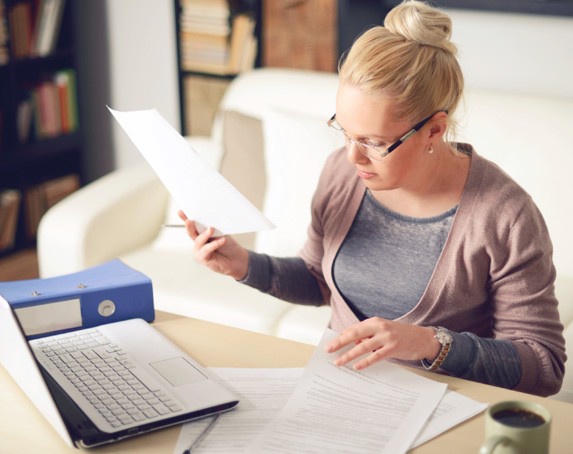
(368, 136)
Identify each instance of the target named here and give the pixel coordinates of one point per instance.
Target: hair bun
(421, 23)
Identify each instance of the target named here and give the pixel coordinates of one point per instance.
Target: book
(9, 210)
(54, 106)
(40, 198)
(47, 110)
(4, 54)
(243, 42)
(20, 20)
(24, 119)
(65, 81)
(49, 18)
(204, 36)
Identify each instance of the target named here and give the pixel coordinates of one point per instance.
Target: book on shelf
(24, 115)
(211, 40)
(20, 20)
(39, 198)
(4, 53)
(9, 210)
(49, 108)
(65, 81)
(35, 27)
(204, 35)
(48, 21)
(243, 46)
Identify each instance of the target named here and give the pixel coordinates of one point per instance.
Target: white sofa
(270, 139)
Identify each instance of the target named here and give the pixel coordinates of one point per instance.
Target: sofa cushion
(243, 162)
(296, 147)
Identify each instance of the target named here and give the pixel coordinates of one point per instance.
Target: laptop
(111, 382)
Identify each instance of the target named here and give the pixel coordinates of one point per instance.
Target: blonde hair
(410, 60)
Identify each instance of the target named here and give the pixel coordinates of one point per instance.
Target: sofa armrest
(115, 214)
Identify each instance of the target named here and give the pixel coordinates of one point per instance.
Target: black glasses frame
(391, 148)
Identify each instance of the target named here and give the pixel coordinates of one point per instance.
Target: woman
(425, 251)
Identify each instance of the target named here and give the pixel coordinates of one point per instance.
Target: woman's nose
(354, 153)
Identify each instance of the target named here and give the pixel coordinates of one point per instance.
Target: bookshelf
(40, 134)
(216, 40)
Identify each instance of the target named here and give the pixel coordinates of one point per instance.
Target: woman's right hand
(221, 254)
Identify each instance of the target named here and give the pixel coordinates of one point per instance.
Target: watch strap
(446, 346)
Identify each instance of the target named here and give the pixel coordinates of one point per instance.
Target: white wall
(128, 61)
(516, 52)
(143, 65)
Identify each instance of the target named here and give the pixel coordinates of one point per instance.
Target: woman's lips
(365, 175)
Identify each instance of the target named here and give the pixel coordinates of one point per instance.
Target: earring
(430, 150)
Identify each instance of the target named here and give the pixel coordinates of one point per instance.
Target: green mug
(516, 427)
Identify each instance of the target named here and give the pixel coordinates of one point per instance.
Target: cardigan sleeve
(286, 278)
(522, 297)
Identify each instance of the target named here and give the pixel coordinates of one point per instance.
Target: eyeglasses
(371, 150)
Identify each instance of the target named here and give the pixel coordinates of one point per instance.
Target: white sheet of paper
(454, 408)
(262, 393)
(336, 409)
(200, 191)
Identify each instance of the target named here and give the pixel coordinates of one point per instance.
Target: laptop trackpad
(178, 371)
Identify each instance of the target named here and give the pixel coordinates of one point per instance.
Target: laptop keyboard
(106, 378)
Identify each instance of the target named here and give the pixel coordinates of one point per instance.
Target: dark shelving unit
(25, 163)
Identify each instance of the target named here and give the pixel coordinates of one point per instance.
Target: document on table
(337, 410)
(199, 190)
(264, 392)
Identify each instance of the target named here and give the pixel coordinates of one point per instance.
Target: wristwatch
(445, 339)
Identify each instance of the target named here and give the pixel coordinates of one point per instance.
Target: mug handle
(490, 444)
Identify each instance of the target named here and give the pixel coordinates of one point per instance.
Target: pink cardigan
(494, 277)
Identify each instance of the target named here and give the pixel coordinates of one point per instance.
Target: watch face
(444, 337)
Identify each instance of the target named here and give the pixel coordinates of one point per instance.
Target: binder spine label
(50, 317)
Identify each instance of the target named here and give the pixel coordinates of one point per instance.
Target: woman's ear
(438, 125)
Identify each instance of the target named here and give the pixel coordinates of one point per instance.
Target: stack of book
(9, 210)
(205, 33)
(38, 199)
(50, 109)
(35, 27)
(4, 54)
(214, 42)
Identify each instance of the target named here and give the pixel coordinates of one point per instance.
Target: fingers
(200, 239)
(372, 339)
(369, 351)
(206, 245)
(189, 225)
(355, 334)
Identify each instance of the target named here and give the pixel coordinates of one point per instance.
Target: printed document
(338, 410)
(199, 190)
(262, 394)
(265, 392)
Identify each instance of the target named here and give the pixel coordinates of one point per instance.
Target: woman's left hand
(377, 339)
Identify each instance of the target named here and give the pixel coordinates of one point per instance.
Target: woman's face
(371, 119)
